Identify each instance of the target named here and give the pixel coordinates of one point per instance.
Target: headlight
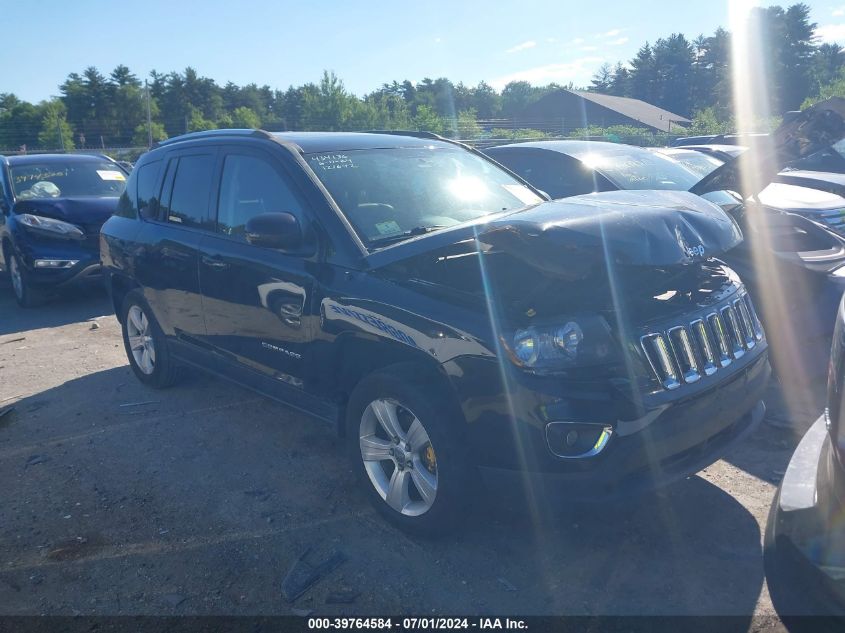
(65, 229)
(571, 343)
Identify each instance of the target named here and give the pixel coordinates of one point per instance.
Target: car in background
(51, 209)
(438, 313)
(803, 254)
(698, 160)
(805, 534)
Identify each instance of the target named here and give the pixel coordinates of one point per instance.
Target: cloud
(613, 33)
(831, 33)
(589, 49)
(577, 41)
(437, 40)
(522, 47)
(838, 12)
(619, 42)
(578, 71)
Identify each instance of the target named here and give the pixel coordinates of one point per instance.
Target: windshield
(389, 193)
(55, 179)
(698, 163)
(636, 168)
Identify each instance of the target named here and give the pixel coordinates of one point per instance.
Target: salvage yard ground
(117, 499)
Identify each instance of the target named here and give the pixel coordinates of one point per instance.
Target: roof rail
(224, 133)
(414, 133)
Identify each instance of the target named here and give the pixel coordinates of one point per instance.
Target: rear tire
(145, 343)
(417, 473)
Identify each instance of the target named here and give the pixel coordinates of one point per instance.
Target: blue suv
(51, 209)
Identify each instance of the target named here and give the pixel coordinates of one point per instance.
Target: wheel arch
(119, 286)
(356, 357)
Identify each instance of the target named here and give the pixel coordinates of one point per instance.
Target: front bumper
(806, 532)
(87, 268)
(671, 441)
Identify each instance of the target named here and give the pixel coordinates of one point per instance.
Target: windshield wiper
(398, 237)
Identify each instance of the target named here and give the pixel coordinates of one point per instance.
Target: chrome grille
(684, 353)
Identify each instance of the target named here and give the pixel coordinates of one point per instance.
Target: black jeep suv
(440, 313)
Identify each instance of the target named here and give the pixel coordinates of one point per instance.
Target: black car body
(806, 530)
(52, 207)
(585, 348)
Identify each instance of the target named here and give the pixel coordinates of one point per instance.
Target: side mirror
(275, 230)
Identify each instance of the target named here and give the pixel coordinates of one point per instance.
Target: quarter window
(251, 186)
(147, 192)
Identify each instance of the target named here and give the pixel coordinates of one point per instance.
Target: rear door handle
(214, 262)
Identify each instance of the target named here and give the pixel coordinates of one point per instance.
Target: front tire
(408, 451)
(25, 294)
(145, 343)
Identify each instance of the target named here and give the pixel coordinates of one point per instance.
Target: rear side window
(250, 186)
(558, 175)
(147, 177)
(189, 195)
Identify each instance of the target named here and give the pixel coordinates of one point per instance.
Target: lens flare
(777, 296)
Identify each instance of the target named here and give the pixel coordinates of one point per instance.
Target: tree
(484, 100)
(516, 95)
(140, 137)
(643, 75)
(602, 80)
(673, 59)
(55, 132)
(467, 125)
(828, 61)
(620, 82)
(426, 120)
(244, 117)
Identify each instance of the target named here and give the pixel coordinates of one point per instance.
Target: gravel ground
(117, 499)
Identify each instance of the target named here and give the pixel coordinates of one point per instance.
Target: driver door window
(250, 186)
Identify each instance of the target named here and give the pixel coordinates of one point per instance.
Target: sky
(366, 44)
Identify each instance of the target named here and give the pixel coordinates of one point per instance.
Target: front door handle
(214, 262)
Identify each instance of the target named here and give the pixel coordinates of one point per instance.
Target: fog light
(575, 440)
(56, 263)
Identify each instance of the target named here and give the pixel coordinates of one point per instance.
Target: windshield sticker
(40, 175)
(328, 162)
(388, 228)
(108, 174)
(522, 193)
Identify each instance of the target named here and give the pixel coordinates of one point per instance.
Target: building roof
(641, 111)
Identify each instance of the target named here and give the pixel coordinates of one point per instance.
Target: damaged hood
(570, 238)
(628, 228)
(809, 131)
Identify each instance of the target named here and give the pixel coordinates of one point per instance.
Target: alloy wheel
(398, 457)
(141, 341)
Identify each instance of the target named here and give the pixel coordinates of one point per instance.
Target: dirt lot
(117, 499)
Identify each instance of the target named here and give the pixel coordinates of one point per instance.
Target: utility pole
(59, 130)
(149, 116)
